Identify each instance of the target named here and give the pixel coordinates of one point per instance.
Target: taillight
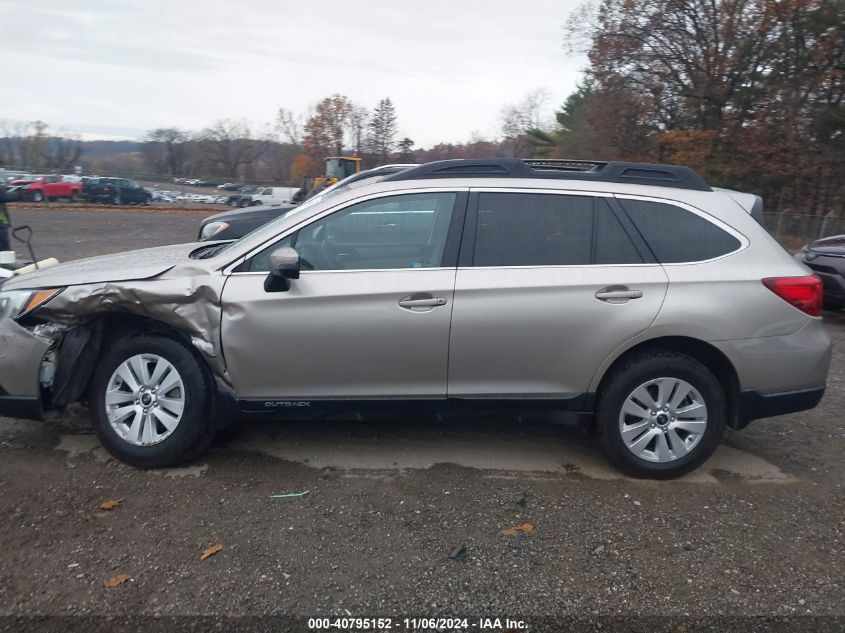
(805, 293)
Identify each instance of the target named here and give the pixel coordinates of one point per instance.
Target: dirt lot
(757, 531)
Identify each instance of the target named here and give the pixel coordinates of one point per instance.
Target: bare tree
(230, 145)
(290, 126)
(62, 151)
(357, 128)
(164, 149)
(518, 119)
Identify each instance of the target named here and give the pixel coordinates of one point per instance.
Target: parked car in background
(273, 195)
(243, 196)
(162, 196)
(230, 186)
(826, 258)
(48, 188)
(231, 225)
(115, 191)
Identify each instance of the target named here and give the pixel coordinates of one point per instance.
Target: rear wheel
(150, 402)
(116, 199)
(37, 196)
(661, 415)
(75, 197)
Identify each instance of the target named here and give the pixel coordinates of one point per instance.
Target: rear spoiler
(752, 203)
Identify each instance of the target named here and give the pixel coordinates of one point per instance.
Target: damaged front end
(49, 353)
(52, 364)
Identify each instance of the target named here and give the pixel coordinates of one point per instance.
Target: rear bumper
(753, 405)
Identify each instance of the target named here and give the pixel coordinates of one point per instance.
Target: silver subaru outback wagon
(632, 298)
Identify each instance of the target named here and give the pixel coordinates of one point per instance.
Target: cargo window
(676, 235)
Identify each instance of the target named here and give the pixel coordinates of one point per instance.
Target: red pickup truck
(48, 188)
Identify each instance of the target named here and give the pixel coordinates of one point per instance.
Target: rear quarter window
(676, 235)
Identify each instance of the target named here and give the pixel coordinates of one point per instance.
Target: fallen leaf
(211, 551)
(111, 504)
(525, 528)
(117, 580)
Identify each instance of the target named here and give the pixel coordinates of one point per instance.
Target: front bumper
(24, 407)
(21, 353)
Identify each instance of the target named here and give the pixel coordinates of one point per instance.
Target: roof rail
(601, 171)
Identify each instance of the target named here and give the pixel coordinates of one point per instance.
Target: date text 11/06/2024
(416, 624)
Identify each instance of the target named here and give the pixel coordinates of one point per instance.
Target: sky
(117, 68)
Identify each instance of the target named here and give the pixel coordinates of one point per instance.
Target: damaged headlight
(17, 303)
(213, 228)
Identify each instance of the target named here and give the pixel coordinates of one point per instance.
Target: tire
(651, 436)
(116, 199)
(75, 197)
(37, 196)
(143, 440)
(147, 201)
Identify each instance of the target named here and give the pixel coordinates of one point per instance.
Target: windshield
(330, 192)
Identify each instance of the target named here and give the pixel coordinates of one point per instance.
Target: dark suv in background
(115, 191)
(826, 257)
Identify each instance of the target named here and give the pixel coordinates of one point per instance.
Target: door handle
(415, 301)
(618, 294)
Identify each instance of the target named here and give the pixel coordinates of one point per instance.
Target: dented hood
(141, 264)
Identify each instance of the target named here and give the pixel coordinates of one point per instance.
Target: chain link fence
(794, 230)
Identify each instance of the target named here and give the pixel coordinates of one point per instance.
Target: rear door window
(538, 229)
(612, 244)
(530, 229)
(677, 235)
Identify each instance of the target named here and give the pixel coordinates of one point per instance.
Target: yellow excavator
(337, 168)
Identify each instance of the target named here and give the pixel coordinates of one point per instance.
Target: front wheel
(150, 402)
(661, 415)
(116, 199)
(38, 197)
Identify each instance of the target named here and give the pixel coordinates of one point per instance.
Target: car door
(368, 317)
(132, 192)
(548, 284)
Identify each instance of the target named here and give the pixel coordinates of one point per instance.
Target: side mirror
(284, 266)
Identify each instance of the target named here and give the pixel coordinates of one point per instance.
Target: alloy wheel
(663, 419)
(145, 399)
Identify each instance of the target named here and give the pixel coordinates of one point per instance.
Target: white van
(273, 195)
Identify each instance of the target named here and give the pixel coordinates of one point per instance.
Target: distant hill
(108, 148)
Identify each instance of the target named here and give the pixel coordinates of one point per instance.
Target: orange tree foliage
(749, 92)
(325, 128)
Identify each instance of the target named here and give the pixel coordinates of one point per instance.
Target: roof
(675, 176)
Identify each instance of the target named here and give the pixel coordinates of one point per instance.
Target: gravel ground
(406, 519)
